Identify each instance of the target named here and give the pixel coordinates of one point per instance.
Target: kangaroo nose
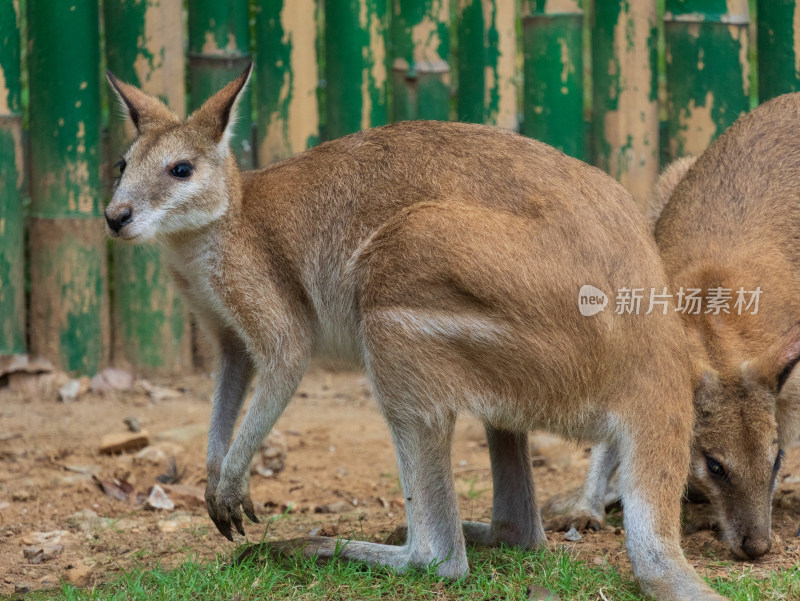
(120, 221)
(756, 547)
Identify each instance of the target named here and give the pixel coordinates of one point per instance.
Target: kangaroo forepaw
(225, 507)
(570, 510)
(578, 521)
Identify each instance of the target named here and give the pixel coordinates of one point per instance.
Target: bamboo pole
(625, 93)
(69, 303)
(778, 47)
(708, 73)
(487, 65)
(553, 90)
(355, 65)
(144, 46)
(12, 179)
(288, 77)
(420, 59)
(219, 50)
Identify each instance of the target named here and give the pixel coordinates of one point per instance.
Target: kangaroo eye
(182, 170)
(121, 164)
(778, 461)
(715, 467)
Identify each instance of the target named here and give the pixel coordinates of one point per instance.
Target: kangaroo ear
(143, 109)
(775, 365)
(218, 114)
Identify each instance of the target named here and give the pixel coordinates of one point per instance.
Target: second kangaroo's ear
(775, 365)
(143, 109)
(218, 115)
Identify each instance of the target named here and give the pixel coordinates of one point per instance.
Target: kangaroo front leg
(235, 374)
(515, 515)
(273, 393)
(653, 469)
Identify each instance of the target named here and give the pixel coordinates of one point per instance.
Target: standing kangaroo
(445, 259)
(732, 221)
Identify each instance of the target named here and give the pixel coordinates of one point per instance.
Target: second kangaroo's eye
(121, 164)
(778, 460)
(182, 170)
(715, 467)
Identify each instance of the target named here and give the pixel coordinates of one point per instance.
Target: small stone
(188, 496)
(117, 379)
(158, 499)
(133, 424)
(40, 553)
(572, 535)
(79, 575)
(158, 454)
(44, 538)
(540, 593)
(123, 441)
(271, 456)
(159, 393)
(21, 589)
(150, 454)
(84, 520)
(73, 390)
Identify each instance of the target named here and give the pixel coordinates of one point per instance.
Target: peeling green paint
(12, 272)
(553, 90)
(625, 93)
(150, 324)
(151, 327)
(63, 62)
(355, 65)
(287, 70)
(219, 50)
(487, 40)
(69, 309)
(420, 59)
(707, 71)
(778, 47)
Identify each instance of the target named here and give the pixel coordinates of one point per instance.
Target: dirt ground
(340, 477)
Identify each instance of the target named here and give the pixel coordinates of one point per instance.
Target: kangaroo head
(736, 453)
(176, 176)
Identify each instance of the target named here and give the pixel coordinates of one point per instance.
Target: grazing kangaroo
(446, 259)
(732, 221)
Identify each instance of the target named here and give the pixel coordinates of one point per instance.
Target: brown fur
(446, 259)
(734, 221)
(665, 185)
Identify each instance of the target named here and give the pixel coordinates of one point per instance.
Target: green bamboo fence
(69, 306)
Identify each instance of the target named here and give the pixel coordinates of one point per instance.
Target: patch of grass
(497, 574)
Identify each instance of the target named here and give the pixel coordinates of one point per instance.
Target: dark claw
(237, 521)
(225, 529)
(250, 511)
